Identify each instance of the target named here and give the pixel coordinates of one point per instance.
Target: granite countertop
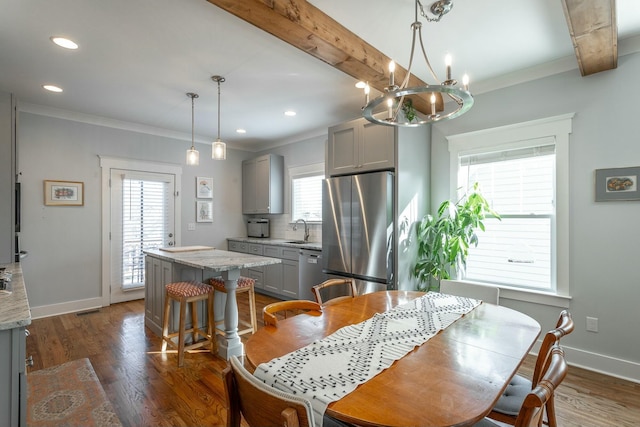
(14, 306)
(315, 246)
(213, 259)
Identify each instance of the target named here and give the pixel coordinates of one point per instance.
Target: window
(306, 192)
(523, 172)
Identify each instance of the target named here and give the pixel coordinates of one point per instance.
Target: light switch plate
(191, 226)
(592, 324)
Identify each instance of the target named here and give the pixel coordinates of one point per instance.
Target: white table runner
(329, 369)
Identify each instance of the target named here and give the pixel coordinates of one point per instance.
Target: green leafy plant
(409, 110)
(444, 240)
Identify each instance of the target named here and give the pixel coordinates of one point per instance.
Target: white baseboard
(65, 307)
(601, 363)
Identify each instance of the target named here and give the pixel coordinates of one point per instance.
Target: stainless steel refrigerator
(358, 229)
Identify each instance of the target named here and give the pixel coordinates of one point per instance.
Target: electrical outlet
(592, 324)
(191, 226)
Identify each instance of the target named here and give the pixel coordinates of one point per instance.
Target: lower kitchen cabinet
(280, 280)
(13, 394)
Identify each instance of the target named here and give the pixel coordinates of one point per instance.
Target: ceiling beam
(594, 33)
(306, 27)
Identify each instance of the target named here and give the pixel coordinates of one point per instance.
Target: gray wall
(64, 243)
(604, 237)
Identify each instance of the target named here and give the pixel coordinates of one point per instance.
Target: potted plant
(444, 240)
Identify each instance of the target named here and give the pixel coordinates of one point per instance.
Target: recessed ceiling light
(361, 84)
(241, 131)
(52, 88)
(64, 42)
(290, 113)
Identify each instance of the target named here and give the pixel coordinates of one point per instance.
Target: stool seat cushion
(219, 285)
(188, 289)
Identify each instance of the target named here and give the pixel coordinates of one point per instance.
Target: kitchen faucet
(306, 228)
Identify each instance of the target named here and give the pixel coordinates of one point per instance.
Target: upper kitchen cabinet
(7, 177)
(263, 185)
(360, 146)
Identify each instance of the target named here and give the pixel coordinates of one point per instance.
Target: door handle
(170, 243)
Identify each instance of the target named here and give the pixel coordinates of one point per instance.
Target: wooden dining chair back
(282, 308)
(486, 293)
(531, 412)
(507, 407)
(534, 404)
(334, 290)
(260, 404)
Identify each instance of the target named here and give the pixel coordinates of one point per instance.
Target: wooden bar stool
(184, 293)
(245, 284)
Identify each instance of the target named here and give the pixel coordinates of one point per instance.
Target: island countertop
(213, 259)
(14, 306)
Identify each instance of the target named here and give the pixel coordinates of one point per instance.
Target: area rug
(68, 395)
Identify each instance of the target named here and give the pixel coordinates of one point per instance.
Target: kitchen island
(177, 264)
(15, 315)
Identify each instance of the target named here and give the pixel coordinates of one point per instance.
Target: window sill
(531, 296)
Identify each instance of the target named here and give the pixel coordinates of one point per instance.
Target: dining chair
(282, 307)
(507, 408)
(531, 412)
(260, 404)
(486, 293)
(345, 287)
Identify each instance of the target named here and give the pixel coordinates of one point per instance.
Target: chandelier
(219, 148)
(446, 101)
(193, 156)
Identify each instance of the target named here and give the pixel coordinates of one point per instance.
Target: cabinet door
(249, 186)
(263, 185)
(291, 279)
(343, 148)
(377, 148)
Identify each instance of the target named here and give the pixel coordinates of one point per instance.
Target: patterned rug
(68, 395)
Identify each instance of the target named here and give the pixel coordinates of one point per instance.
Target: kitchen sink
(297, 242)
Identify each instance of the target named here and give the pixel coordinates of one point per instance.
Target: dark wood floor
(147, 388)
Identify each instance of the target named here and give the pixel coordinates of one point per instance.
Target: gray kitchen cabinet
(263, 185)
(279, 280)
(360, 146)
(12, 373)
(7, 177)
(158, 274)
(255, 273)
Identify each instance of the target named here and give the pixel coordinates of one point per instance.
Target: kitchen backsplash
(281, 227)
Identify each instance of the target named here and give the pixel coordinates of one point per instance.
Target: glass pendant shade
(193, 156)
(219, 150)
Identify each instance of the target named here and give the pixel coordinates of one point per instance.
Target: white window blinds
(306, 197)
(519, 183)
(145, 204)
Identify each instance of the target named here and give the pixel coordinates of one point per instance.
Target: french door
(139, 201)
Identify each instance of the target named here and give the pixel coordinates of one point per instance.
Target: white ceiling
(138, 58)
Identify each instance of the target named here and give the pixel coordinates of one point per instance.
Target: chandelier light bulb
(447, 62)
(392, 69)
(465, 82)
(433, 104)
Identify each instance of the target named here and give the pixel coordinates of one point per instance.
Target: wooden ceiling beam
(594, 33)
(306, 27)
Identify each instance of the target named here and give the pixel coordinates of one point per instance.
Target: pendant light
(219, 148)
(193, 156)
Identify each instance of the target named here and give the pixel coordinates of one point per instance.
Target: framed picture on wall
(63, 193)
(204, 187)
(617, 184)
(204, 211)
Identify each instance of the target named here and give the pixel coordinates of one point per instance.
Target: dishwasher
(310, 272)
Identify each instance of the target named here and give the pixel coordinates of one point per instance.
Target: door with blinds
(142, 217)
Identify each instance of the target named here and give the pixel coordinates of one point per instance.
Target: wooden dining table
(453, 379)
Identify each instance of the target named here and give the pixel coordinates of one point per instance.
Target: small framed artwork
(204, 187)
(63, 193)
(204, 211)
(617, 184)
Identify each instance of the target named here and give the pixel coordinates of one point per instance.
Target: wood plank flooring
(147, 388)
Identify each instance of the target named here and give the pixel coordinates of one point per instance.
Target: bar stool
(245, 284)
(184, 293)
